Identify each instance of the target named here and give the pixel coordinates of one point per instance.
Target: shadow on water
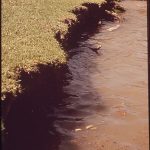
(30, 122)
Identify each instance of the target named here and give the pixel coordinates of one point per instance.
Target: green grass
(28, 35)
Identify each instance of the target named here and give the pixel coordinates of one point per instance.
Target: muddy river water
(108, 106)
(105, 106)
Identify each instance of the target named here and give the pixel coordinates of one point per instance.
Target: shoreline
(35, 81)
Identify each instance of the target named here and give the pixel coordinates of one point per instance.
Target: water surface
(109, 89)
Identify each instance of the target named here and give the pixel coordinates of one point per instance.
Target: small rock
(95, 46)
(114, 28)
(76, 130)
(89, 126)
(100, 22)
(94, 128)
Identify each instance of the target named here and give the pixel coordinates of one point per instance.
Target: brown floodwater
(102, 101)
(108, 104)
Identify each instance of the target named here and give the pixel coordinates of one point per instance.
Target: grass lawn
(28, 35)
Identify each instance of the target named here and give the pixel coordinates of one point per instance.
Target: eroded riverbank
(103, 105)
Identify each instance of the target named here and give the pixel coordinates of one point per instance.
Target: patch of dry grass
(28, 35)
